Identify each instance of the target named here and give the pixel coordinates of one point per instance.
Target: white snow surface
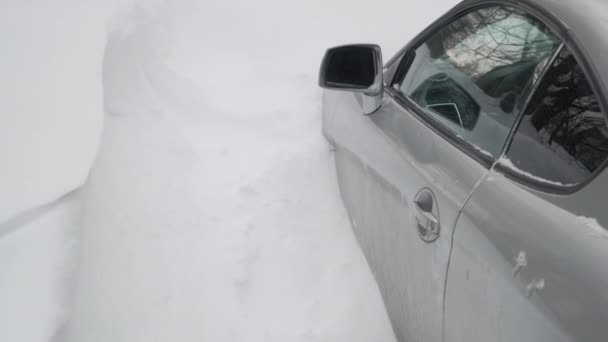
(52, 97)
(212, 211)
(595, 229)
(508, 163)
(37, 255)
(50, 124)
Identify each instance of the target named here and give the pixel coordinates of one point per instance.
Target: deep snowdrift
(50, 125)
(212, 211)
(52, 98)
(36, 265)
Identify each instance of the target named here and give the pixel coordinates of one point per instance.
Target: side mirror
(356, 68)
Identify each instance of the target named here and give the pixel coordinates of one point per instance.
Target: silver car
(472, 168)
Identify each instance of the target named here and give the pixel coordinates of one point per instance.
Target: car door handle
(427, 222)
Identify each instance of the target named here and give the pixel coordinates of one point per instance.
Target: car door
(406, 171)
(530, 247)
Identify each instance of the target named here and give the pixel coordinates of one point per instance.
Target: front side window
(563, 136)
(474, 75)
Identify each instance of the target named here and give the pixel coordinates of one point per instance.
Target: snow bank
(213, 212)
(50, 124)
(37, 250)
(52, 101)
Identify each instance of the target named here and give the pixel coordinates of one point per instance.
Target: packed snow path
(212, 212)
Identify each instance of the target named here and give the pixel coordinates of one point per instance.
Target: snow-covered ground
(50, 123)
(212, 211)
(52, 97)
(37, 250)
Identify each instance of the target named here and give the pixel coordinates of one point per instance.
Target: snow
(507, 163)
(51, 118)
(37, 255)
(482, 151)
(520, 262)
(594, 228)
(212, 211)
(52, 97)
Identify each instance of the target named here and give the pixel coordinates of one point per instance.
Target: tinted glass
(563, 136)
(473, 75)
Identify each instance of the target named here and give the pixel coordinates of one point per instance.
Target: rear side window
(473, 75)
(563, 137)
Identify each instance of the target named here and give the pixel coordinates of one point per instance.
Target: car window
(563, 136)
(474, 75)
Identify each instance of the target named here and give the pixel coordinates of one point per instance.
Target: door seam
(447, 273)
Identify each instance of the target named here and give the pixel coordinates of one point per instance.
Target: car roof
(586, 25)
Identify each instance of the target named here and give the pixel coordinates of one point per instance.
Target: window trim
(531, 95)
(530, 182)
(566, 39)
(464, 146)
(407, 55)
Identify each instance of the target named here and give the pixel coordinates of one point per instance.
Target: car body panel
(383, 161)
(490, 297)
(525, 263)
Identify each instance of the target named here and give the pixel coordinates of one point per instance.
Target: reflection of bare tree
(568, 114)
(459, 30)
(490, 38)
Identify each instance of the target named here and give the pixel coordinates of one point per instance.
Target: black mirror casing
(356, 68)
